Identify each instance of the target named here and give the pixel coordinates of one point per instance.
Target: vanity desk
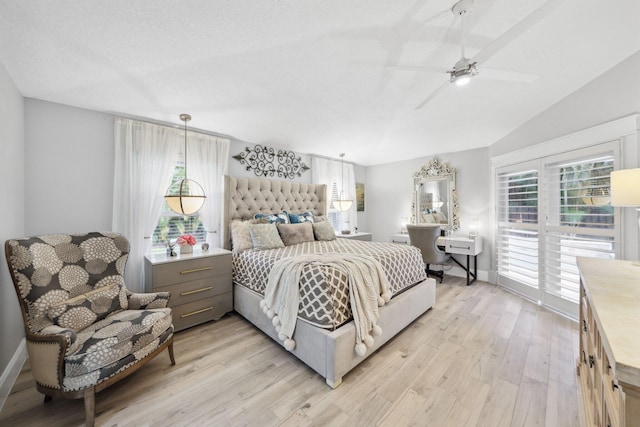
(455, 245)
(609, 356)
(469, 246)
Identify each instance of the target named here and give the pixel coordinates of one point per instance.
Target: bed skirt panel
(331, 353)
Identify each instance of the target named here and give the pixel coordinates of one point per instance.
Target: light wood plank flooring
(481, 357)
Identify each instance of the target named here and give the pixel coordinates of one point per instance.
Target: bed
(324, 330)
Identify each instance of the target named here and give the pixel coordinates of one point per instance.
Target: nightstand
(367, 237)
(200, 284)
(400, 238)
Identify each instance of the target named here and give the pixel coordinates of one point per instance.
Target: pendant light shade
(344, 201)
(186, 196)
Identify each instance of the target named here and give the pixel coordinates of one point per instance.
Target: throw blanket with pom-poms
(368, 289)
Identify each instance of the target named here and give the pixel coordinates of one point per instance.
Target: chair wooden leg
(170, 349)
(47, 398)
(90, 406)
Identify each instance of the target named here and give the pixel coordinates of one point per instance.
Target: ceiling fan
(465, 69)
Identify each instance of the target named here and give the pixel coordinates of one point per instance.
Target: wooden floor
(481, 357)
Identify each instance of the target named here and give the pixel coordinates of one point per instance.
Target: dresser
(200, 284)
(609, 353)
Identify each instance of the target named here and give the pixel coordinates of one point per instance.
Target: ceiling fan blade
(515, 31)
(428, 68)
(436, 16)
(435, 93)
(503, 75)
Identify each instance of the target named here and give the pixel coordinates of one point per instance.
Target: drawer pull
(193, 313)
(584, 325)
(195, 291)
(591, 361)
(614, 386)
(460, 247)
(195, 270)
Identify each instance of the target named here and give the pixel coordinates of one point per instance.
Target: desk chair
(425, 238)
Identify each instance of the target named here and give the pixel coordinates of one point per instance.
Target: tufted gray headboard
(245, 197)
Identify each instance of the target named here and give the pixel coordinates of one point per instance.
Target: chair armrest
(148, 300)
(47, 350)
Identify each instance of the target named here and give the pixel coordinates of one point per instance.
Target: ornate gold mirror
(435, 200)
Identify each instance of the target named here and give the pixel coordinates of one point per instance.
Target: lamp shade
(343, 203)
(185, 197)
(625, 187)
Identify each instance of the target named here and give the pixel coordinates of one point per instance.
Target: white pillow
(265, 236)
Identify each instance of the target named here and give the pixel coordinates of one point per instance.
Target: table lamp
(625, 188)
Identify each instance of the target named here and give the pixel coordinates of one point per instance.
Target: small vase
(186, 249)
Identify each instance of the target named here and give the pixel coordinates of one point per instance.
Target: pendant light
(185, 197)
(344, 201)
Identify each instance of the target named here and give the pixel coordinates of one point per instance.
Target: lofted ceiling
(320, 77)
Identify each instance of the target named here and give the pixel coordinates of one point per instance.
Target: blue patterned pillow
(301, 217)
(281, 218)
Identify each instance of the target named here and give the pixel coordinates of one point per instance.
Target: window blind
(579, 221)
(550, 211)
(517, 231)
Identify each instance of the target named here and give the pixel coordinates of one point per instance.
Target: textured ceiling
(314, 76)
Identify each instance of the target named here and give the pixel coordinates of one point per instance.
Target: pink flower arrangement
(186, 239)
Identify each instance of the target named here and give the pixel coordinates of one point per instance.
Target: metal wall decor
(265, 161)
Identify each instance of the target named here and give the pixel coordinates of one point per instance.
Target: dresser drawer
(204, 310)
(185, 292)
(190, 270)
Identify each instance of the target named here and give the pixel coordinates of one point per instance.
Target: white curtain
(325, 171)
(145, 155)
(207, 163)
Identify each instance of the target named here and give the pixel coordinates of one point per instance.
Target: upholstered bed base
(331, 353)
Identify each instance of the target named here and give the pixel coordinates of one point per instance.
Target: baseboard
(10, 374)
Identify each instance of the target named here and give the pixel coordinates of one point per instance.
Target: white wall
(613, 95)
(70, 164)
(68, 169)
(390, 195)
(12, 223)
(238, 169)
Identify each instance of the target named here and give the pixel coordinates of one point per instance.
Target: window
(171, 225)
(517, 242)
(334, 215)
(579, 222)
(550, 211)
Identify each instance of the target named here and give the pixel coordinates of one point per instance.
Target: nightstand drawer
(194, 290)
(197, 312)
(191, 269)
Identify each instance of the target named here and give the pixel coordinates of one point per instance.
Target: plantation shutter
(550, 211)
(518, 229)
(579, 221)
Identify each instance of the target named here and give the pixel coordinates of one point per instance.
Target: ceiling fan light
(462, 80)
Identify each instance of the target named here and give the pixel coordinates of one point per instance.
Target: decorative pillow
(241, 236)
(85, 309)
(323, 231)
(265, 236)
(292, 234)
(281, 218)
(301, 217)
